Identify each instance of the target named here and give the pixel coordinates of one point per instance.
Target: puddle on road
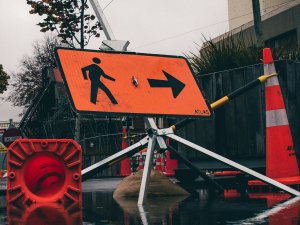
(100, 208)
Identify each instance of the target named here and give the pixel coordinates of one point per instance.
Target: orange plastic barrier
(43, 171)
(125, 169)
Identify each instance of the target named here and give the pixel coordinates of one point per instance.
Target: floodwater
(99, 207)
(103, 209)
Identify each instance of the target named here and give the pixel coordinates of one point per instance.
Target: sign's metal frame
(155, 140)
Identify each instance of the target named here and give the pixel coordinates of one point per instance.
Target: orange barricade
(125, 169)
(44, 171)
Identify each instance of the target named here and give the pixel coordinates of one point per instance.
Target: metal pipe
(217, 186)
(102, 19)
(235, 165)
(109, 161)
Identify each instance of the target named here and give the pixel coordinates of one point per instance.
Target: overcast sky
(154, 26)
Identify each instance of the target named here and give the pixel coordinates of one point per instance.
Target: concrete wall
(275, 23)
(240, 11)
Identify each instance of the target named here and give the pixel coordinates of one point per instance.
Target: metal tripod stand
(155, 140)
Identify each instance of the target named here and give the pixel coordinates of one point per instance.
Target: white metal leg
(147, 170)
(143, 215)
(235, 165)
(91, 170)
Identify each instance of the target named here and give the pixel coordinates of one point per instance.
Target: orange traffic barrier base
(44, 171)
(259, 186)
(275, 197)
(226, 173)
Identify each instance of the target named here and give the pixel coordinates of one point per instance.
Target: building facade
(280, 22)
(240, 11)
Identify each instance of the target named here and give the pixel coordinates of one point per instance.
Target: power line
(107, 5)
(207, 26)
(198, 75)
(133, 135)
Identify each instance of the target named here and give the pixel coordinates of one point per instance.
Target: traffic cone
(141, 162)
(281, 160)
(125, 169)
(158, 166)
(162, 162)
(171, 164)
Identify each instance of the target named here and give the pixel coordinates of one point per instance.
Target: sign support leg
(211, 182)
(147, 170)
(143, 215)
(111, 160)
(235, 165)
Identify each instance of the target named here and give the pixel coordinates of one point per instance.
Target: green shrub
(232, 52)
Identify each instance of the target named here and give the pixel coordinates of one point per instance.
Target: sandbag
(159, 185)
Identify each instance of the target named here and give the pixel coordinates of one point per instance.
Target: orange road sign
(130, 83)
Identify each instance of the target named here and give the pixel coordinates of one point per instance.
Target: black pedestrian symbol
(95, 72)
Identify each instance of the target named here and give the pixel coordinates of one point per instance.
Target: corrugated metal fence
(238, 130)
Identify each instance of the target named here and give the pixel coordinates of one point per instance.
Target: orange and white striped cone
(125, 169)
(171, 164)
(162, 162)
(141, 162)
(158, 166)
(280, 154)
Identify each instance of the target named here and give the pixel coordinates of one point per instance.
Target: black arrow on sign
(171, 82)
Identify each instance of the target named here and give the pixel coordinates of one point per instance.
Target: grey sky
(153, 26)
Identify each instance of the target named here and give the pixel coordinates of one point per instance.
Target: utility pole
(257, 23)
(110, 44)
(77, 115)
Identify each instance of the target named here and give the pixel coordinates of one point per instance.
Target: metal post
(181, 158)
(102, 19)
(257, 22)
(11, 124)
(152, 126)
(235, 165)
(147, 170)
(77, 127)
(153, 142)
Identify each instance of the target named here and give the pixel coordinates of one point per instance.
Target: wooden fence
(238, 130)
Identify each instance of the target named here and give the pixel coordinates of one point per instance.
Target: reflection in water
(100, 208)
(143, 215)
(281, 211)
(156, 210)
(44, 214)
